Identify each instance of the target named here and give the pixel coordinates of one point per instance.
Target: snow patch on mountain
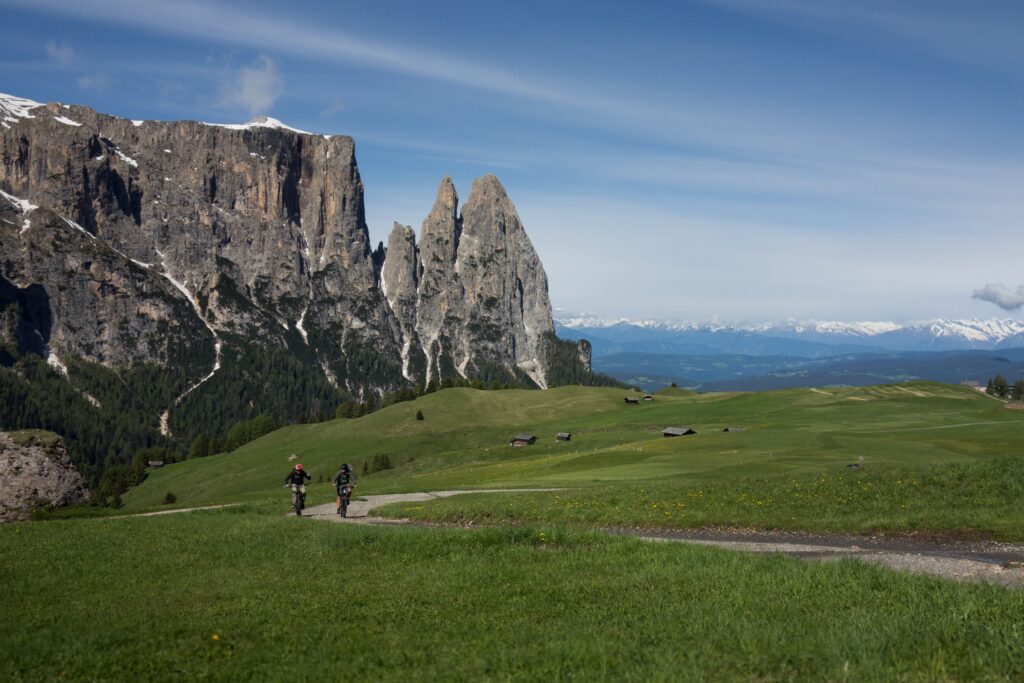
(13, 108)
(981, 334)
(259, 122)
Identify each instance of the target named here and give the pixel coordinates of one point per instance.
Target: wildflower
(214, 637)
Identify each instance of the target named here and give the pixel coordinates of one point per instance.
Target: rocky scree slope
(203, 248)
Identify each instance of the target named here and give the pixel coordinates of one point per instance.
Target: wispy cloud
(60, 54)
(93, 81)
(254, 88)
(245, 26)
(1001, 296)
(956, 31)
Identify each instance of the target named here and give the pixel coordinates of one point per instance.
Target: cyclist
(297, 479)
(344, 481)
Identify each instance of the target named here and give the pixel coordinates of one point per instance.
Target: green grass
(33, 437)
(981, 498)
(793, 437)
(248, 594)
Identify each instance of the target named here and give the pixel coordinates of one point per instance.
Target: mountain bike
(298, 498)
(344, 494)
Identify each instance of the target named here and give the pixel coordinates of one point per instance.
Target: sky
(703, 160)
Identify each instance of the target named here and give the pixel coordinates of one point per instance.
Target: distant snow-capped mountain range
(811, 339)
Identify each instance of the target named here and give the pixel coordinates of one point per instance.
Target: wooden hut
(563, 436)
(522, 440)
(677, 431)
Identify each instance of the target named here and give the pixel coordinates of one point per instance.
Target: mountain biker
(344, 481)
(297, 479)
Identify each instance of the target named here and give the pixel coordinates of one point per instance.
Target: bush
(419, 415)
(170, 498)
(378, 464)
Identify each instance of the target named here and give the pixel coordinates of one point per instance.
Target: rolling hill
(462, 442)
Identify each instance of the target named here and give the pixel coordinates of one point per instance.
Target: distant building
(563, 436)
(631, 399)
(648, 397)
(522, 440)
(155, 463)
(677, 431)
(733, 429)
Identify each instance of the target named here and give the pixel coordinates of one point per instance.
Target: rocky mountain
(35, 470)
(803, 339)
(225, 260)
(472, 298)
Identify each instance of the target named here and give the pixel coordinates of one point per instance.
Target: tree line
(1000, 387)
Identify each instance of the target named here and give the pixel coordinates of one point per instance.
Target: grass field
(248, 594)
(979, 499)
(936, 457)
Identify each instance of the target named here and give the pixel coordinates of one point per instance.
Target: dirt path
(975, 561)
(175, 511)
(359, 509)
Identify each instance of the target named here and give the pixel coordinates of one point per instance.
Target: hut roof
(677, 431)
(523, 437)
(734, 429)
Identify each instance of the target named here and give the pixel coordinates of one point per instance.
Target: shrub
(419, 415)
(170, 498)
(378, 464)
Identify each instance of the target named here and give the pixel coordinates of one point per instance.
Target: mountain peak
(486, 187)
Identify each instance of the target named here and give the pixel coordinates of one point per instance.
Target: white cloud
(93, 81)
(60, 54)
(956, 31)
(254, 88)
(1001, 296)
(244, 26)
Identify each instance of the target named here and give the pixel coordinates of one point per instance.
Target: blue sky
(731, 160)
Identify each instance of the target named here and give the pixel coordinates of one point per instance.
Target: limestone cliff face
(481, 302)
(506, 306)
(260, 228)
(400, 278)
(180, 244)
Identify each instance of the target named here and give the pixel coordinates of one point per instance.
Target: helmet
(345, 466)
(298, 467)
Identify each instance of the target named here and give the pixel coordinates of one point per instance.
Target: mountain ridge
(238, 256)
(932, 335)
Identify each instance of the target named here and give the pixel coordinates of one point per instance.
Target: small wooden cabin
(733, 429)
(155, 463)
(631, 400)
(677, 431)
(563, 436)
(648, 397)
(522, 440)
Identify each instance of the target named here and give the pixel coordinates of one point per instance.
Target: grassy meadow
(935, 457)
(246, 593)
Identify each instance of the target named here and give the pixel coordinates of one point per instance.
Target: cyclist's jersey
(343, 478)
(297, 477)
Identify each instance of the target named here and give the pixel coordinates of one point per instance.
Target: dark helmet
(345, 467)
